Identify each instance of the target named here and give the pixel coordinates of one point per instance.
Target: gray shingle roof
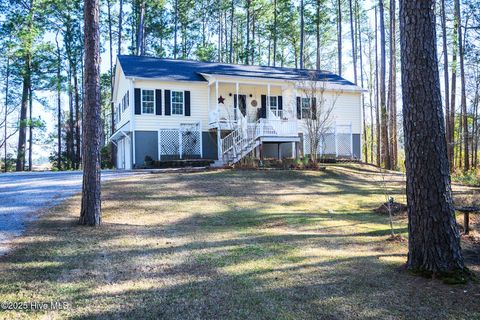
(188, 70)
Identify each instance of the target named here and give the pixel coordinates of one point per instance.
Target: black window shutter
(263, 112)
(187, 103)
(280, 103)
(138, 103)
(299, 109)
(167, 102)
(314, 108)
(158, 102)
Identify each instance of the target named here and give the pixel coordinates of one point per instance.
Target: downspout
(132, 121)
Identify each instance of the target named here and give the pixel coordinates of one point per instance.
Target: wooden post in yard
(466, 222)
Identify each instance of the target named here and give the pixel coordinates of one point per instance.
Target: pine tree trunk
(463, 100)
(460, 140)
(252, 44)
(318, 35)
(434, 240)
(453, 92)
(385, 146)
(359, 38)
(113, 155)
(371, 84)
(247, 43)
(90, 213)
(274, 33)
(475, 120)
(392, 88)
(175, 30)
(225, 29)
(7, 93)
(339, 36)
(78, 119)
(59, 105)
(352, 32)
(302, 33)
(232, 14)
(140, 31)
(448, 127)
(120, 26)
(377, 94)
(70, 139)
(22, 132)
(30, 127)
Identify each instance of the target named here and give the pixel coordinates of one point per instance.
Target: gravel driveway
(25, 193)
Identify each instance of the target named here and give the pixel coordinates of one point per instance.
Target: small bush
(247, 163)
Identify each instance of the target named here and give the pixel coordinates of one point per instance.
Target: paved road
(23, 194)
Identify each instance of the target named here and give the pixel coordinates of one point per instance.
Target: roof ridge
(226, 64)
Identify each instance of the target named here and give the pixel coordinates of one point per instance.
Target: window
(306, 107)
(119, 113)
(273, 104)
(127, 100)
(177, 102)
(148, 101)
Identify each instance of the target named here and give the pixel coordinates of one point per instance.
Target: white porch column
(216, 93)
(219, 137)
(268, 100)
(208, 101)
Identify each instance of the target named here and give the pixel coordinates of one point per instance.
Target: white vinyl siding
(178, 103)
(347, 107)
(198, 105)
(148, 101)
(123, 96)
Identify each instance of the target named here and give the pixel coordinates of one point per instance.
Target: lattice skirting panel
(336, 141)
(184, 143)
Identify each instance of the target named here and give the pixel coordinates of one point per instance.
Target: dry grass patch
(230, 245)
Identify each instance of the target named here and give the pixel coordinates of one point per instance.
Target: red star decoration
(221, 100)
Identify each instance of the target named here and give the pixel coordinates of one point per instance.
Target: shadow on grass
(230, 263)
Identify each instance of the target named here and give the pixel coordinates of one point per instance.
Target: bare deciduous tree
(318, 121)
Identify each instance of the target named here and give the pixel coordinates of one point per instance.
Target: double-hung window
(306, 108)
(148, 101)
(119, 113)
(178, 103)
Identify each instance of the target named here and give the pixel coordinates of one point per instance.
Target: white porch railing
(277, 113)
(226, 116)
(279, 127)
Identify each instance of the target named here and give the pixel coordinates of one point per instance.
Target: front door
(241, 104)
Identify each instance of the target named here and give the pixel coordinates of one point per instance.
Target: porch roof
(188, 70)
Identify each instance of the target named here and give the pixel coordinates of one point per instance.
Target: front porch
(247, 114)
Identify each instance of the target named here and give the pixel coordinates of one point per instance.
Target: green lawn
(230, 245)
